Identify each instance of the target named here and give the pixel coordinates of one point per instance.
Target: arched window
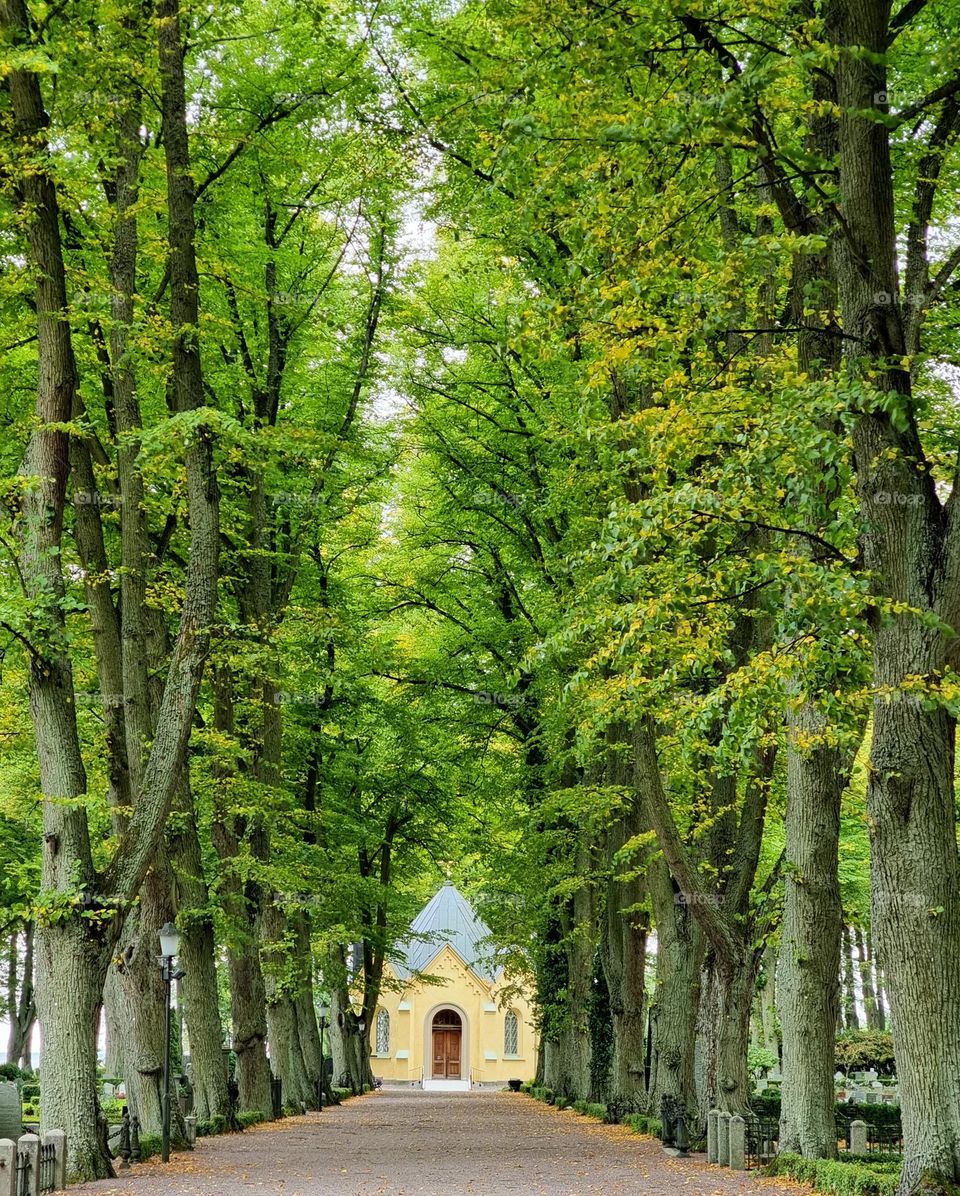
(383, 1032)
(511, 1034)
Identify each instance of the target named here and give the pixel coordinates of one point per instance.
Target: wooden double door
(447, 1043)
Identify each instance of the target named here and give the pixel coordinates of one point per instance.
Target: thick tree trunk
(911, 545)
(241, 907)
(723, 1035)
(72, 955)
(198, 986)
(143, 1002)
(580, 946)
(282, 986)
(307, 1027)
(676, 999)
(809, 965)
(623, 948)
(623, 941)
(248, 1001)
(734, 988)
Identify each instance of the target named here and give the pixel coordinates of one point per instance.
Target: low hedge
(150, 1145)
(855, 1177)
(767, 1105)
(249, 1118)
(215, 1125)
(640, 1123)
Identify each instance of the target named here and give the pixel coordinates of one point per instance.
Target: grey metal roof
(448, 918)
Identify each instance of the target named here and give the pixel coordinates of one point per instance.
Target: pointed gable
(447, 919)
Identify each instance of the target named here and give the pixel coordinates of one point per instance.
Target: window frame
(383, 1019)
(507, 1052)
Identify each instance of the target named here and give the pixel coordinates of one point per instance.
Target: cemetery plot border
(762, 1142)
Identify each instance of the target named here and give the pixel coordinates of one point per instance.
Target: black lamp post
(324, 1014)
(169, 949)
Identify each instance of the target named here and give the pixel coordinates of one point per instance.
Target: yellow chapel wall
(411, 1010)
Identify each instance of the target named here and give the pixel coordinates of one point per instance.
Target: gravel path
(411, 1143)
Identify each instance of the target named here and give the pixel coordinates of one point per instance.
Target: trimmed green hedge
(150, 1145)
(849, 1178)
(216, 1125)
(640, 1123)
(767, 1105)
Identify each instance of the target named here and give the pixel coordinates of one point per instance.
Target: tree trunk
(883, 1005)
(143, 1002)
(623, 944)
(911, 546)
(734, 988)
(580, 945)
(71, 954)
(676, 999)
(809, 966)
(21, 1000)
(307, 1027)
(850, 1018)
(241, 906)
(769, 1020)
(201, 1004)
(281, 981)
(248, 1001)
(866, 980)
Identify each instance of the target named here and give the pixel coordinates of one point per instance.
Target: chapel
(450, 1019)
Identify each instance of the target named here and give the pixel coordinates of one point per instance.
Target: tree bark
(676, 998)
(21, 999)
(579, 922)
(623, 937)
(770, 1027)
(809, 964)
(198, 959)
(866, 980)
(73, 952)
(911, 545)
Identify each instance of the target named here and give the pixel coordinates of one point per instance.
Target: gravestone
(11, 1111)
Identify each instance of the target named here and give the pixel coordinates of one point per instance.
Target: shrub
(342, 1093)
(150, 1145)
(9, 1071)
(247, 1119)
(562, 1102)
(113, 1110)
(619, 1106)
(216, 1125)
(767, 1106)
(597, 1110)
(840, 1179)
(640, 1123)
(859, 1050)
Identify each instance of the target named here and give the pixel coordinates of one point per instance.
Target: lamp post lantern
(169, 949)
(324, 1014)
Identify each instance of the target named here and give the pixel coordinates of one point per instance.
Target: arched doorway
(447, 1031)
